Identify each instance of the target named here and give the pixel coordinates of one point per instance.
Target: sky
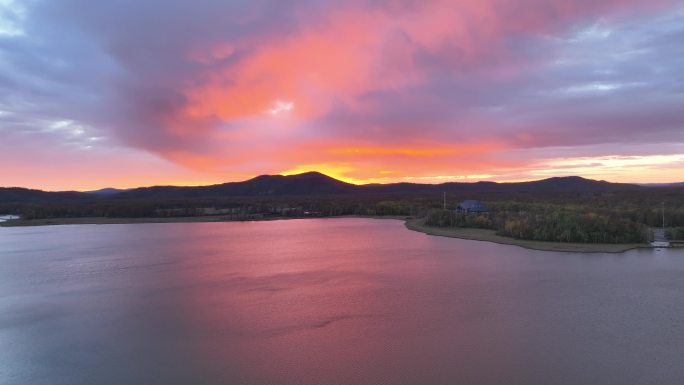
(128, 93)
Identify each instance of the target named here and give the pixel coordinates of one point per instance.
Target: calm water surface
(337, 301)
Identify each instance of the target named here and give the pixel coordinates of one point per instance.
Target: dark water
(341, 301)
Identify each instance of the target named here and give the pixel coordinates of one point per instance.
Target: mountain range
(313, 183)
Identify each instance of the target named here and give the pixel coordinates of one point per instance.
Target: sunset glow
(367, 92)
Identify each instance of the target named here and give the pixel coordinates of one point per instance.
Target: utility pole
(445, 203)
(663, 217)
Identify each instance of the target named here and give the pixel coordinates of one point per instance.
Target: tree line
(600, 217)
(555, 224)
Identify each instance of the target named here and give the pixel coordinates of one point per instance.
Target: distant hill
(106, 191)
(310, 183)
(556, 184)
(24, 195)
(680, 184)
(568, 183)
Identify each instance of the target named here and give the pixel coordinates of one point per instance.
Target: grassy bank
(491, 236)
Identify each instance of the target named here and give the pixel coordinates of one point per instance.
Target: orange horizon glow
(343, 173)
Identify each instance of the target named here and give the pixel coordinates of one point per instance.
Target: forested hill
(556, 184)
(24, 195)
(310, 184)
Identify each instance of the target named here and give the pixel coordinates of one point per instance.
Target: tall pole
(445, 201)
(663, 216)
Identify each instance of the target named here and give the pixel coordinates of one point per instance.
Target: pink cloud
(413, 87)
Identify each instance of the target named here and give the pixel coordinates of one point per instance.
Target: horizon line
(455, 180)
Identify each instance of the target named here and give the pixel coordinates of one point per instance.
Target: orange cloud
(365, 91)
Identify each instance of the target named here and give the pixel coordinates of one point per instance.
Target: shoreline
(412, 224)
(485, 235)
(144, 220)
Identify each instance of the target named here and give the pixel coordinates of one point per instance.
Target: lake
(328, 301)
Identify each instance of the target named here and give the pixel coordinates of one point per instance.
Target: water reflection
(343, 301)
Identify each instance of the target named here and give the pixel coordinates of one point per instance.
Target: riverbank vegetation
(613, 217)
(675, 233)
(546, 222)
(417, 224)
